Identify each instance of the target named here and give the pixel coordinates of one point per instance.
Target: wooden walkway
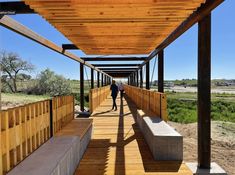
(118, 147)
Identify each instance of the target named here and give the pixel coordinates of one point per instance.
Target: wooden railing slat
(25, 128)
(149, 101)
(97, 96)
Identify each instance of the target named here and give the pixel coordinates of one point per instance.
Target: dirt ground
(223, 143)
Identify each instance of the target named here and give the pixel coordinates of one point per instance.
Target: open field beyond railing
(149, 101)
(25, 128)
(97, 96)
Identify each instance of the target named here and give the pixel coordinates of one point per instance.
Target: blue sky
(180, 56)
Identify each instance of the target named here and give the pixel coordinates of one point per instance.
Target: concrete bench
(58, 156)
(61, 154)
(164, 142)
(79, 127)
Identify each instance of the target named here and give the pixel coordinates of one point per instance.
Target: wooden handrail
(25, 128)
(97, 96)
(149, 101)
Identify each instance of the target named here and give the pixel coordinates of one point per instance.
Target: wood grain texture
(26, 128)
(23, 130)
(136, 26)
(98, 96)
(152, 102)
(118, 147)
(63, 111)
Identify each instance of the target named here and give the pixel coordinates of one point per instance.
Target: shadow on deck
(118, 146)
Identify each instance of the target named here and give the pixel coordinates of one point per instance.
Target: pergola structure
(123, 27)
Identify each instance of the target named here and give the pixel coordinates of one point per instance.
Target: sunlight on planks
(118, 147)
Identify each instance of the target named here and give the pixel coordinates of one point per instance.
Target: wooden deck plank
(118, 147)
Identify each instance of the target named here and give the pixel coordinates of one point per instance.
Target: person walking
(121, 89)
(114, 92)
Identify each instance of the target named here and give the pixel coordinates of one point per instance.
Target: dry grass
(10, 100)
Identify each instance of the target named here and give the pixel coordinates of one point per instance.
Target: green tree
(52, 84)
(13, 69)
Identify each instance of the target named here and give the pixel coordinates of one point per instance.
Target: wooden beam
(13, 8)
(118, 69)
(198, 15)
(161, 71)
(116, 72)
(204, 92)
(69, 47)
(116, 65)
(92, 78)
(13, 25)
(101, 29)
(114, 58)
(147, 75)
(81, 87)
(121, 75)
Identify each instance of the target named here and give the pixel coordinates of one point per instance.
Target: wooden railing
(63, 111)
(25, 128)
(149, 101)
(97, 96)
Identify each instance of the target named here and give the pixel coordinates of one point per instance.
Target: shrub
(51, 84)
(186, 111)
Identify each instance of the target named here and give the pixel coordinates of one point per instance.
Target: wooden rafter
(198, 15)
(115, 27)
(26, 32)
(116, 65)
(118, 69)
(114, 58)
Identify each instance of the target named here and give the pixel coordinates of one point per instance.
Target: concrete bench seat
(164, 142)
(58, 156)
(79, 127)
(140, 115)
(61, 154)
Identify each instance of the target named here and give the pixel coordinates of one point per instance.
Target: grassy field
(19, 97)
(74, 84)
(10, 100)
(182, 107)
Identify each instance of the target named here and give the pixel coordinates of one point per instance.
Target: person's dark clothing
(114, 89)
(114, 103)
(114, 92)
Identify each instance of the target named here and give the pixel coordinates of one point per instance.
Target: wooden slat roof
(115, 26)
